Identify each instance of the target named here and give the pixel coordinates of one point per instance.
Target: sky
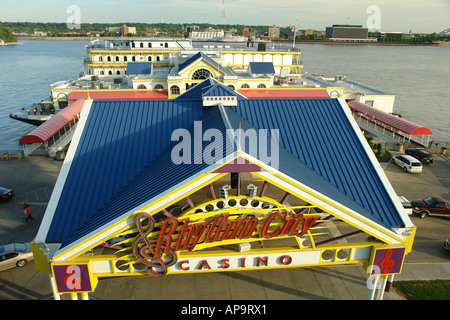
(390, 15)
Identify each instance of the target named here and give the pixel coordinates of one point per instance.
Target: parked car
(408, 163)
(421, 155)
(406, 204)
(6, 194)
(15, 255)
(447, 245)
(430, 205)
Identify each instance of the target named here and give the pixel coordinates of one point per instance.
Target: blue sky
(395, 15)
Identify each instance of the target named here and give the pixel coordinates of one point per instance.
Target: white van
(408, 163)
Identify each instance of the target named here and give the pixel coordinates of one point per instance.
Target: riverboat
(130, 69)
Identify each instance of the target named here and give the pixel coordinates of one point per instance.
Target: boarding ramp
(389, 127)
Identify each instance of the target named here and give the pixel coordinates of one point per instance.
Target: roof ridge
(214, 89)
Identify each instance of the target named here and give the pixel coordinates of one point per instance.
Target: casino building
(215, 181)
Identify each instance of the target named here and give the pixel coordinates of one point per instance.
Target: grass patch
(424, 290)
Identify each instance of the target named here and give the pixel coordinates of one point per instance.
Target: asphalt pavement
(33, 180)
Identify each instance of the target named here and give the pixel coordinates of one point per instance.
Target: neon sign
(389, 260)
(158, 250)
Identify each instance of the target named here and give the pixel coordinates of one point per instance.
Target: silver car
(15, 255)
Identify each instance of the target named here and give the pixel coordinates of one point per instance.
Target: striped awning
(391, 120)
(50, 127)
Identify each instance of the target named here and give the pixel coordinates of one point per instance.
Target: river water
(418, 75)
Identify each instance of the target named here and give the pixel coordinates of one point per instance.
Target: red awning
(50, 127)
(393, 121)
(118, 95)
(283, 93)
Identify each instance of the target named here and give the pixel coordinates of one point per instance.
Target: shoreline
(358, 43)
(12, 43)
(274, 41)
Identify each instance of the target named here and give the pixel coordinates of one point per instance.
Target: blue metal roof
(208, 87)
(139, 68)
(261, 68)
(196, 92)
(123, 158)
(325, 153)
(119, 140)
(220, 90)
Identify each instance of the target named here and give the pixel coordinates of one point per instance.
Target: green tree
(7, 35)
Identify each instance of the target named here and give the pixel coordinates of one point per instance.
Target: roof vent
(227, 101)
(220, 94)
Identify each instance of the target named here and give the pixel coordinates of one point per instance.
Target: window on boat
(117, 58)
(133, 58)
(261, 85)
(158, 58)
(149, 58)
(245, 86)
(201, 74)
(141, 86)
(369, 102)
(142, 44)
(231, 86)
(125, 58)
(175, 90)
(149, 44)
(108, 58)
(166, 45)
(159, 87)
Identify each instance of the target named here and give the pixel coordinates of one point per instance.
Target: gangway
(389, 127)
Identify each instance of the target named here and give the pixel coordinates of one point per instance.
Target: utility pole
(295, 33)
(223, 15)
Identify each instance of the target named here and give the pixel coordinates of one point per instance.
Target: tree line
(61, 29)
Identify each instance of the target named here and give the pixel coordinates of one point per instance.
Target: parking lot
(33, 180)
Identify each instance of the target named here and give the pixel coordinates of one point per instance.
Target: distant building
(248, 32)
(114, 29)
(273, 33)
(151, 32)
(192, 28)
(123, 30)
(392, 35)
(127, 30)
(206, 35)
(39, 33)
(308, 32)
(351, 33)
(2, 43)
(93, 33)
